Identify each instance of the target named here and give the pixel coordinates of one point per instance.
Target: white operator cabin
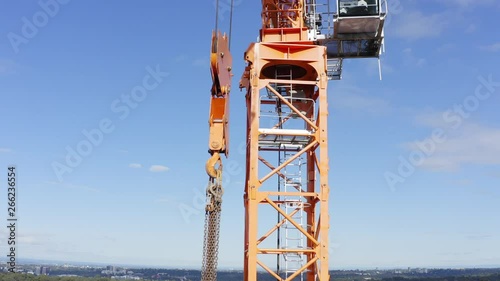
(354, 30)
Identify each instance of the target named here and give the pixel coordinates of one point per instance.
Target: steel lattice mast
(287, 72)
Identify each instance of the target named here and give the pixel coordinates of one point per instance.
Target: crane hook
(210, 165)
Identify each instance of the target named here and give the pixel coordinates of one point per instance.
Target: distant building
(41, 270)
(111, 268)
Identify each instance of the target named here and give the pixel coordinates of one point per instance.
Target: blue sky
(135, 197)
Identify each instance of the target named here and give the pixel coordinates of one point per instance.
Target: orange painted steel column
(303, 93)
(309, 61)
(324, 223)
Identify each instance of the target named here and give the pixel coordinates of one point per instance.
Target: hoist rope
(216, 15)
(231, 24)
(230, 20)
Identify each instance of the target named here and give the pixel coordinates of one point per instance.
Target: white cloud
(5, 150)
(135, 165)
(446, 47)
(432, 119)
(471, 144)
(467, 3)
(416, 25)
(491, 48)
(479, 236)
(158, 168)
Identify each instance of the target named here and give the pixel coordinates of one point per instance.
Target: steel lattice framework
(289, 73)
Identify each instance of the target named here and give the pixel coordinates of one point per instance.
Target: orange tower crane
(301, 47)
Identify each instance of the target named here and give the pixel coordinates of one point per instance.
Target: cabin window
(352, 8)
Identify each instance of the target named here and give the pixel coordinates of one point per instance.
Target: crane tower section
(302, 45)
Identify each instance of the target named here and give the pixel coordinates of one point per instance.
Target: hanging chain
(212, 226)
